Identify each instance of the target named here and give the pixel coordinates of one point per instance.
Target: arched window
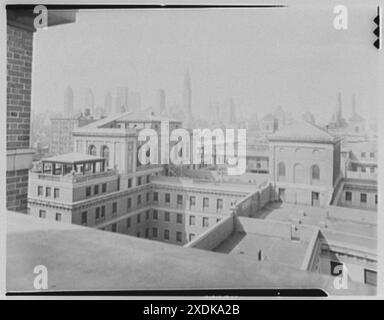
(104, 153)
(315, 172)
(92, 150)
(281, 169)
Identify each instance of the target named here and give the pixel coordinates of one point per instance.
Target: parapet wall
(215, 235)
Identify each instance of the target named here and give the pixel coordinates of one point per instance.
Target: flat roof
(274, 249)
(246, 188)
(73, 157)
(81, 258)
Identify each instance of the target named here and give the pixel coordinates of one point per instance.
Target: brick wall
(17, 190)
(19, 73)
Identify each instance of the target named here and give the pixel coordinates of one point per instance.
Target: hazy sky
(263, 58)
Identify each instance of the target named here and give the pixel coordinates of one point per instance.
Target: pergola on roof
(73, 158)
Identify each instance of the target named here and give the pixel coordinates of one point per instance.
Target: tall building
(161, 101)
(187, 95)
(134, 102)
(90, 100)
(20, 31)
(122, 100)
(108, 103)
(68, 102)
(61, 132)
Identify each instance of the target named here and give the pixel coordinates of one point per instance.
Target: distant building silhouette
(134, 101)
(161, 101)
(108, 103)
(122, 99)
(89, 100)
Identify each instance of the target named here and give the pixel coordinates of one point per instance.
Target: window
(92, 150)
(96, 189)
(363, 197)
(154, 232)
(104, 187)
(40, 190)
(42, 213)
(105, 153)
(192, 220)
(58, 216)
(218, 220)
(56, 193)
(192, 201)
(147, 197)
(148, 179)
(363, 169)
(167, 216)
(147, 215)
(114, 227)
(372, 169)
(370, 277)
(166, 234)
(191, 236)
(128, 223)
(102, 212)
(375, 198)
(129, 203)
(281, 169)
(315, 172)
(348, 196)
(372, 154)
(179, 200)
(179, 218)
(156, 196)
(84, 218)
(138, 234)
(130, 183)
(205, 203)
(47, 191)
(97, 214)
(363, 154)
(114, 207)
(138, 181)
(138, 218)
(205, 222)
(219, 204)
(88, 191)
(167, 198)
(155, 215)
(146, 232)
(336, 268)
(179, 236)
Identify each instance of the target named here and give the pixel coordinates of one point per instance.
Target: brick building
(20, 31)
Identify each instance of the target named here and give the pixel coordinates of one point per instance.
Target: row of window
(363, 197)
(48, 192)
(140, 180)
(314, 170)
(192, 201)
(99, 214)
(96, 189)
(371, 154)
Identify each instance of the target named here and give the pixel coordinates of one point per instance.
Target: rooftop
(303, 131)
(73, 158)
(80, 258)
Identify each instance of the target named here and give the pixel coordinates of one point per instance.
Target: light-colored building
(61, 132)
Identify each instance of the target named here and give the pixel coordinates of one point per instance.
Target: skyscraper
(161, 101)
(134, 102)
(68, 101)
(121, 103)
(89, 100)
(187, 95)
(108, 103)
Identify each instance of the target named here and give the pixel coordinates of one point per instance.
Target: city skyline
(159, 55)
